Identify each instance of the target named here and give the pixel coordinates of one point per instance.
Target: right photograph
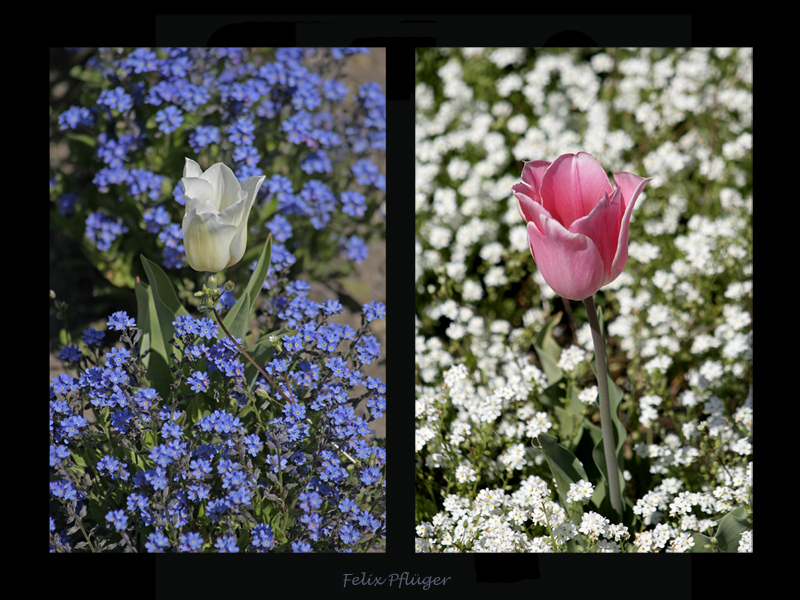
(584, 300)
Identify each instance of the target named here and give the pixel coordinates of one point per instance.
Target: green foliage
(565, 467)
(549, 351)
(158, 307)
(728, 533)
(238, 318)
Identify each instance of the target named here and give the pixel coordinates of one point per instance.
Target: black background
(322, 576)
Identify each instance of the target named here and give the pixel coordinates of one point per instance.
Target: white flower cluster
(496, 521)
(670, 500)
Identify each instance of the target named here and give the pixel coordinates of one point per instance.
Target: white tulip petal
(192, 169)
(251, 185)
(199, 190)
(201, 206)
(209, 239)
(217, 210)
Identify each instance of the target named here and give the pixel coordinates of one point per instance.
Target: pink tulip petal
(572, 186)
(525, 198)
(532, 173)
(629, 186)
(570, 262)
(577, 223)
(602, 226)
(528, 208)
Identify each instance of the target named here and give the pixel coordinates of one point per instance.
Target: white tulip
(217, 208)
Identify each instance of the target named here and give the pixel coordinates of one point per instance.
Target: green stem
(209, 281)
(606, 425)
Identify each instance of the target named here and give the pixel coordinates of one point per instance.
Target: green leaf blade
(548, 350)
(158, 305)
(564, 465)
(237, 319)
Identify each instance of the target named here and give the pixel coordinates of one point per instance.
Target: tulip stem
(606, 425)
(209, 285)
(269, 379)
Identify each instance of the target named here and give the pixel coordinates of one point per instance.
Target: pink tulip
(577, 222)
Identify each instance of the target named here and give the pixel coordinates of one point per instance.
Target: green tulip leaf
(728, 533)
(237, 318)
(199, 406)
(570, 418)
(151, 345)
(260, 272)
(158, 306)
(82, 138)
(564, 465)
(730, 529)
(702, 543)
(163, 287)
(548, 350)
(601, 497)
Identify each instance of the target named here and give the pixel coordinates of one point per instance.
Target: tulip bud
(217, 208)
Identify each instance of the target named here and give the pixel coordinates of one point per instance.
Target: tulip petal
(532, 173)
(529, 209)
(569, 262)
(217, 210)
(629, 186)
(210, 240)
(201, 206)
(192, 169)
(572, 186)
(238, 246)
(602, 226)
(199, 190)
(251, 185)
(225, 185)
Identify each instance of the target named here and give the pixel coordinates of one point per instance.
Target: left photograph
(217, 282)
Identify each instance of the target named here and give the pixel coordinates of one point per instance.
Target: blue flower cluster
(103, 229)
(200, 469)
(245, 107)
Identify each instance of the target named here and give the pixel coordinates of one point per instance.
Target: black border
(321, 576)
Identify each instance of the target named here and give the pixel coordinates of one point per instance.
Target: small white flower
(571, 357)
(540, 423)
(593, 525)
(683, 542)
(746, 542)
(425, 529)
(588, 395)
(465, 474)
(580, 491)
(495, 277)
